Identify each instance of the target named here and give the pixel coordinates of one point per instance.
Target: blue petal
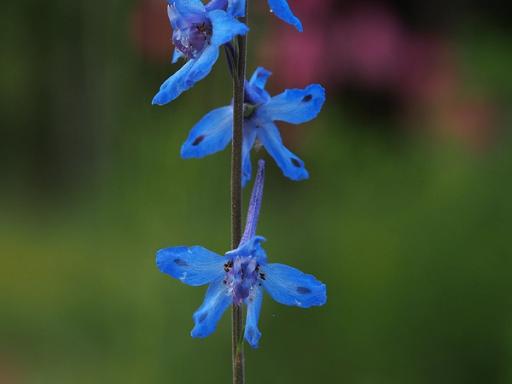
(216, 4)
(259, 77)
(174, 85)
(174, 17)
(255, 92)
(204, 64)
(192, 265)
(295, 106)
(183, 13)
(188, 7)
(225, 27)
(185, 78)
(176, 55)
(283, 11)
(252, 333)
(290, 164)
(250, 247)
(255, 95)
(211, 134)
(216, 301)
(289, 286)
(248, 142)
(236, 8)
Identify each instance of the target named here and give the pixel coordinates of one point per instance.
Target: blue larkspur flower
(240, 276)
(199, 31)
(214, 131)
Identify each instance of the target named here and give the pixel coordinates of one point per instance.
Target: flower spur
(240, 276)
(214, 131)
(198, 32)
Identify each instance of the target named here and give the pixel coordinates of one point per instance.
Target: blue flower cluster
(241, 275)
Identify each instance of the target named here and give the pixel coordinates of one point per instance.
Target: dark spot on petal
(250, 333)
(296, 162)
(307, 98)
(262, 276)
(181, 262)
(203, 317)
(198, 140)
(303, 290)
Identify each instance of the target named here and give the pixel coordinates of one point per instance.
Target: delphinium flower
(214, 131)
(199, 31)
(240, 276)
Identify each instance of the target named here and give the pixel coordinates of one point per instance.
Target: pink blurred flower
(367, 46)
(297, 64)
(363, 44)
(151, 31)
(367, 43)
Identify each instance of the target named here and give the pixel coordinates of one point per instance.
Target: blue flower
(280, 8)
(198, 32)
(240, 276)
(214, 131)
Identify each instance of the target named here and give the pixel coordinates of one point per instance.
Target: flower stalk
(238, 277)
(238, 358)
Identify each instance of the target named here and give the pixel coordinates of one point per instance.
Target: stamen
(228, 266)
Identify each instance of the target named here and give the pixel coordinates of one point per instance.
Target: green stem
(238, 358)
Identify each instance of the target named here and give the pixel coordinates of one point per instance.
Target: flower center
(242, 275)
(192, 39)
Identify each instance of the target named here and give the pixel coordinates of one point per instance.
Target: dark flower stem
(230, 57)
(238, 358)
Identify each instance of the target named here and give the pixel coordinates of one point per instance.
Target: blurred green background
(406, 217)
